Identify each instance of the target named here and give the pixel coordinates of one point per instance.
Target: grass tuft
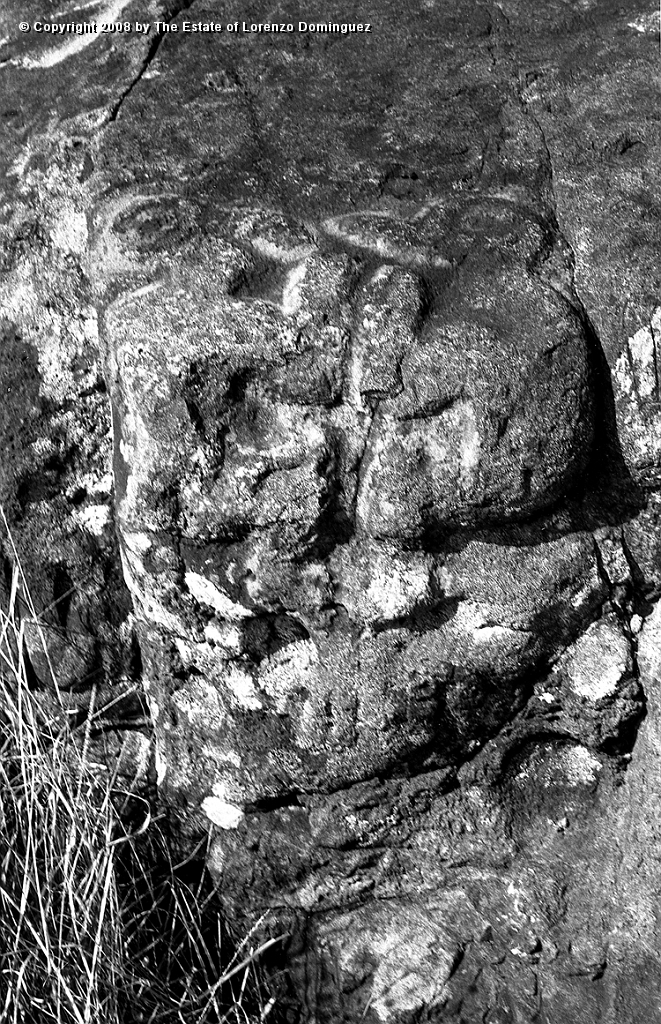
(96, 922)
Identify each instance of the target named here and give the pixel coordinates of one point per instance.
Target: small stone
(597, 663)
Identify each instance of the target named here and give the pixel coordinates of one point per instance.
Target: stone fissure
(150, 57)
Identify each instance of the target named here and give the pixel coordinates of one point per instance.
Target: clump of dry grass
(96, 922)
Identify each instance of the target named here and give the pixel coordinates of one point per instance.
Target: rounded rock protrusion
(494, 421)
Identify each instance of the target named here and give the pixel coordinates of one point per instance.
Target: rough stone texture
(377, 320)
(55, 472)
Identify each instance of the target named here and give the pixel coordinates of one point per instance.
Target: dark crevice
(151, 54)
(626, 737)
(601, 569)
(423, 618)
(135, 664)
(620, 146)
(195, 415)
(433, 408)
(100, 726)
(608, 494)
(299, 797)
(266, 634)
(645, 593)
(335, 523)
(501, 427)
(267, 804)
(32, 678)
(63, 591)
(610, 484)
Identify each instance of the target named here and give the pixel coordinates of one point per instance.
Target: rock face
(372, 319)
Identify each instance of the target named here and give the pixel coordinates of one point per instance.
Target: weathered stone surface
(377, 322)
(55, 471)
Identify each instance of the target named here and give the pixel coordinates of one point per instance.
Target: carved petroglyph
(299, 413)
(425, 388)
(389, 525)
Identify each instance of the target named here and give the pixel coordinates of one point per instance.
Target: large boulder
(377, 346)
